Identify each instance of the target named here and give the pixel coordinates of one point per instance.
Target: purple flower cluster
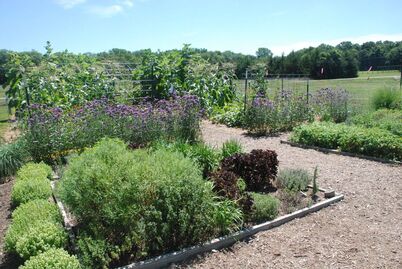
(331, 104)
(53, 130)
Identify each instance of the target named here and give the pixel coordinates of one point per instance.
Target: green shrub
(294, 179)
(231, 114)
(40, 238)
(231, 147)
(367, 141)
(205, 156)
(265, 207)
(27, 190)
(34, 170)
(387, 98)
(26, 216)
(142, 203)
(387, 119)
(52, 259)
(12, 157)
(94, 253)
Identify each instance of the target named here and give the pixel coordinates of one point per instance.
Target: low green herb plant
(52, 259)
(294, 179)
(266, 207)
(28, 215)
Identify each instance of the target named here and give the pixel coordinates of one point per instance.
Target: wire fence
(361, 89)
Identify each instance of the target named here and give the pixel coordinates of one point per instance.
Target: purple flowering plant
(54, 131)
(331, 104)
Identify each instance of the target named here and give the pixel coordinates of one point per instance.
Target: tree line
(323, 62)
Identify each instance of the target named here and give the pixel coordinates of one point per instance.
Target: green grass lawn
(361, 89)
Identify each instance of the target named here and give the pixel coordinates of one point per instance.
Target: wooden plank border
(343, 153)
(222, 242)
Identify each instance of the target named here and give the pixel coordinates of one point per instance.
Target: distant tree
(264, 53)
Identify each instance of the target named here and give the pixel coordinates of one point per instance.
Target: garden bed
(217, 243)
(343, 153)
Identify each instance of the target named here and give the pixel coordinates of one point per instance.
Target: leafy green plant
(31, 189)
(141, 202)
(257, 168)
(294, 179)
(231, 147)
(28, 215)
(265, 207)
(205, 156)
(387, 119)
(387, 98)
(232, 114)
(51, 259)
(368, 141)
(43, 236)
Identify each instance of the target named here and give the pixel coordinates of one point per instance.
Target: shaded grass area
(361, 88)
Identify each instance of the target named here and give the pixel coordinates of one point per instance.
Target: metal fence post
(153, 83)
(308, 90)
(400, 79)
(245, 90)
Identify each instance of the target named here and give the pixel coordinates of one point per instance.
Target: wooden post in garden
(308, 90)
(245, 91)
(400, 79)
(28, 102)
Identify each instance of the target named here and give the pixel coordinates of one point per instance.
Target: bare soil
(362, 231)
(6, 261)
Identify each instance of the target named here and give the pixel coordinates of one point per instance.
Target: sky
(237, 25)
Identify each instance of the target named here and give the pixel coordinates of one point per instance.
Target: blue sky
(237, 25)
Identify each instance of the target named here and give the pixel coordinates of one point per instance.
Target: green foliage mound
(294, 179)
(34, 170)
(28, 215)
(265, 207)
(40, 238)
(206, 157)
(387, 119)
(52, 259)
(27, 190)
(367, 141)
(139, 203)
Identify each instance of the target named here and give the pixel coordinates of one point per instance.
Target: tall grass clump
(387, 98)
(12, 157)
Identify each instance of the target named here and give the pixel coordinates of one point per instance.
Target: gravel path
(362, 231)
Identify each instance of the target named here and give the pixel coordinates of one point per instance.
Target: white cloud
(67, 4)
(106, 11)
(127, 3)
(287, 48)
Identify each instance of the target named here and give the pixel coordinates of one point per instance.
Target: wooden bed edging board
(66, 222)
(344, 153)
(221, 242)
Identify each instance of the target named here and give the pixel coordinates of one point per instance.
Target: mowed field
(3, 113)
(361, 89)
